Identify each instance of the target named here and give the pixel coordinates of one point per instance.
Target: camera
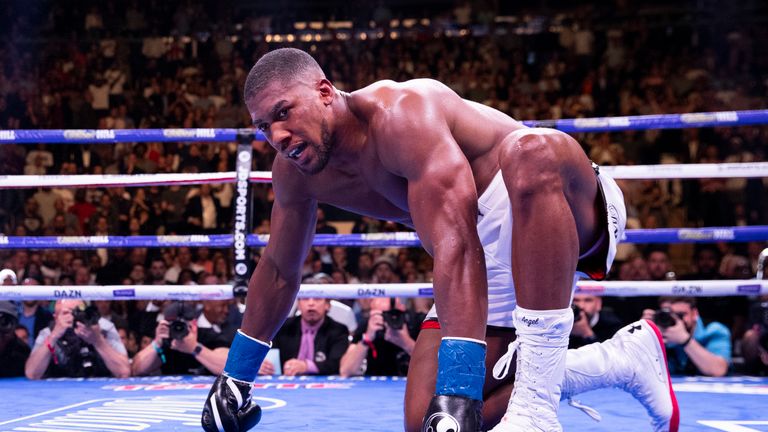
(394, 318)
(88, 316)
(178, 329)
(665, 318)
(7, 323)
(576, 313)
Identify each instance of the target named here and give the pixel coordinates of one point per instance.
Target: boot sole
(674, 422)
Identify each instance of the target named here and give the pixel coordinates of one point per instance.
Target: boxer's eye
(282, 114)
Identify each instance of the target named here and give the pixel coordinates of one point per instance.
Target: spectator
(322, 226)
(203, 212)
(33, 316)
(31, 219)
(157, 270)
(693, 348)
(13, 351)
(311, 343)
(706, 262)
(659, 267)
(183, 261)
(591, 323)
(181, 346)
(379, 347)
(77, 347)
(384, 271)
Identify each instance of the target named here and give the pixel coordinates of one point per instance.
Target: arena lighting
(316, 25)
(300, 25)
(339, 24)
(410, 22)
(394, 23)
(290, 38)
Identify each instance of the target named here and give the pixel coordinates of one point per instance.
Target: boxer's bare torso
(365, 174)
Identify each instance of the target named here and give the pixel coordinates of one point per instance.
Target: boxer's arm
(442, 198)
(275, 282)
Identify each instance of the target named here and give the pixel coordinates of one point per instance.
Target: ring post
(242, 214)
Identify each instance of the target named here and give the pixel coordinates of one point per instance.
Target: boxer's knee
(533, 164)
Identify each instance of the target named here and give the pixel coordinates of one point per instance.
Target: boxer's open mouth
(297, 150)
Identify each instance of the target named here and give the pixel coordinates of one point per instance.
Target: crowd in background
(122, 64)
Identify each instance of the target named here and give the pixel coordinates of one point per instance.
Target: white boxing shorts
(494, 227)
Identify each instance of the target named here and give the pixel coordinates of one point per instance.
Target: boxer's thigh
(535, 160)
(422, 375)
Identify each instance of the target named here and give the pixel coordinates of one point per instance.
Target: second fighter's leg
(552, 189)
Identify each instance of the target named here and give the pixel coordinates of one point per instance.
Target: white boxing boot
(634, 360)
(541, 346)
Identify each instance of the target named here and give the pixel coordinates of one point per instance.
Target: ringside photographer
(383, 345)
(693, 348)
(591, 323)
(185, 342)
(78, 344)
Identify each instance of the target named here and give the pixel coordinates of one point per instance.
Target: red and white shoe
(635, 360)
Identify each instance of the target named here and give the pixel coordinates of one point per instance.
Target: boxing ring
(735, 404)
(333, 404)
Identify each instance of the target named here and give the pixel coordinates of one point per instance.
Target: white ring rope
(115, 180)
(695, 288)
(628, 172)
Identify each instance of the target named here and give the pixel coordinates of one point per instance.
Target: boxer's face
(294, 120)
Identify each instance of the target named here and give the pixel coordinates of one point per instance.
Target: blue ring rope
(398, 239)
(595, 124)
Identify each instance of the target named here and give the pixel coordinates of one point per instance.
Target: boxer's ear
(326, 90)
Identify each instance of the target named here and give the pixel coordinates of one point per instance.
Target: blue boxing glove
(228, 407)
(458, 401)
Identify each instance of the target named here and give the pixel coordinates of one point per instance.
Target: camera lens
(664, 318)
(178, 329)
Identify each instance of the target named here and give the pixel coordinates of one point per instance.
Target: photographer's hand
(375, 323)
(90, 334)
(581, 327)
(64, 321)
(188, 344)
(162, 332)
(676, 334)
(400, 338)
(648, 314)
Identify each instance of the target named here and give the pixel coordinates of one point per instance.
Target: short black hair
(282, 65)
